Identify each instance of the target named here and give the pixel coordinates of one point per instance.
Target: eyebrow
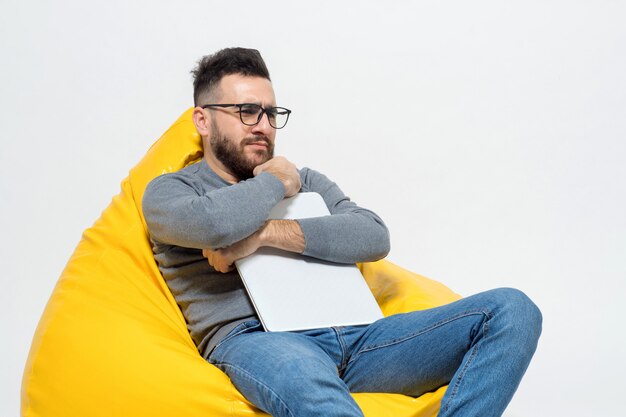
(258, 103)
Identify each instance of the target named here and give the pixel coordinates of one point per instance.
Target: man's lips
(258, 145)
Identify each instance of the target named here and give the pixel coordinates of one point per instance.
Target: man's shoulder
(188, 173)
(189, 177)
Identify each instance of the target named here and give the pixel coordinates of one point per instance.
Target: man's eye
(248, 110)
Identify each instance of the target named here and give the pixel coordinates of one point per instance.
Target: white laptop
(294, 292)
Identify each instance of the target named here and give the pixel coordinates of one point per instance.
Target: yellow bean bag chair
(113, 342)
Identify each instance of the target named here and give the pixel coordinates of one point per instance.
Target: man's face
(239, 148)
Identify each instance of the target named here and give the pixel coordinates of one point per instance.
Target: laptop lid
(295, 292)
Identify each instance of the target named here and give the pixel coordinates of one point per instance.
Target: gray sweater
(194, 208)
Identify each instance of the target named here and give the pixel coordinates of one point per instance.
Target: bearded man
(208, 215)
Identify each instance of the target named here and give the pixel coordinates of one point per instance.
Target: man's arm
(179, 213)
(350, 234)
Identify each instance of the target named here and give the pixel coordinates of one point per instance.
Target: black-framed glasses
(251, 114)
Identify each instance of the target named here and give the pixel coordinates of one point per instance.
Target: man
(208, 215)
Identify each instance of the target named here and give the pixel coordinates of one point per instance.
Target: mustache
(256, 138)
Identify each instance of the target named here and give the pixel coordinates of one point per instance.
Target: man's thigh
(283, 373)
(266, 354)
(416, 352)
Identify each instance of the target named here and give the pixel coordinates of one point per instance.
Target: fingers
(217, 260)
(285, 171)
(275, 165)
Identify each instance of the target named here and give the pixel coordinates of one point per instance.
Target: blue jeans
(480, 345)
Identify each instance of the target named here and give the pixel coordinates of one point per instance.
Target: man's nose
(263, 126)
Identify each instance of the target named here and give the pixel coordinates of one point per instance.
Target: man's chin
(259, 158)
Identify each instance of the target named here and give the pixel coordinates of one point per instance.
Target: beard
(233, 156)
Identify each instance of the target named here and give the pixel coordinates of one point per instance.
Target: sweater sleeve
(178, 212)
(350, 234)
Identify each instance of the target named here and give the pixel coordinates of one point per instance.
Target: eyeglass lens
(251, 114)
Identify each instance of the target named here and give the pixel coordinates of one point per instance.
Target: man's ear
(202, 122)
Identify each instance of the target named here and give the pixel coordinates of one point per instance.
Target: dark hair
(212, 68)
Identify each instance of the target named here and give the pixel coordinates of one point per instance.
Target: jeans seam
(343, 349)
(426, 330)
(457, 384)
(247, 374)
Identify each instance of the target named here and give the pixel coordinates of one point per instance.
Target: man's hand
(282, 234)
(285, 171)
(223, 260)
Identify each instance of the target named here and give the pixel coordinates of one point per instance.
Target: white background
(489, 135)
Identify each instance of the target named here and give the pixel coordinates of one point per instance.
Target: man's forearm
(282, 234)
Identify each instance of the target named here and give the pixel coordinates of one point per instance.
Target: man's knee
(520, 314)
